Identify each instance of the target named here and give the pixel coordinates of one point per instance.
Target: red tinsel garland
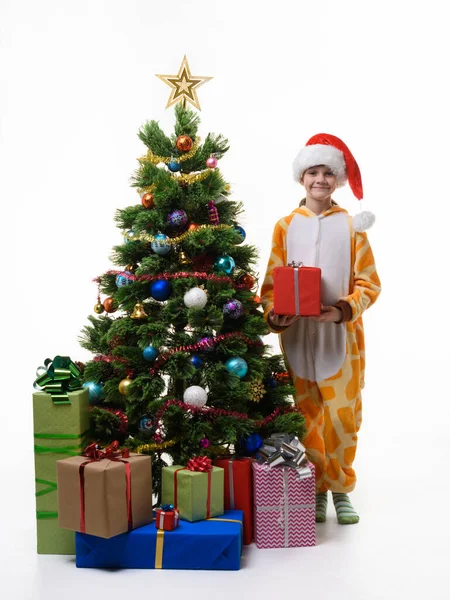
(180, 275)
(192, 347)
(211, 413)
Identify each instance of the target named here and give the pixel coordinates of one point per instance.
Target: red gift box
(167, 519)
(296, 290)
(238, 489)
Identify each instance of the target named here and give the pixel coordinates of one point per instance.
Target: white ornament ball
(195, 298)
(195, 396)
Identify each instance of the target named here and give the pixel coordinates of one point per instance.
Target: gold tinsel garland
(155, 159)
(185, 178)
(146, 237)
(152, 447)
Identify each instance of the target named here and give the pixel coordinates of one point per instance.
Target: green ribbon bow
(58, 377)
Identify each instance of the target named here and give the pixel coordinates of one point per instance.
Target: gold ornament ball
(184, 143)
(99, 308)
(193, 227)
(147, 200)
(110, 305)
(130, 268)
(124, 385)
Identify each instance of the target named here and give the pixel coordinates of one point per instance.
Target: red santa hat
(329, 150)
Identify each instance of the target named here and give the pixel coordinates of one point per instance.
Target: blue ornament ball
(225, 263)
(161, 289)
(174, 166)
(196, 361)
(145, 424)
(272, 382)
(150, 353)
(233, 309)
(130, 234)
(241, 231)
(123, 280)
(177, 218)
(252, 443)
(95, 391)
(159, 245)
(237, 365)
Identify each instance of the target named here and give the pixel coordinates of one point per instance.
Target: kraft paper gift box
(197, 495)
(213, 544)
(285, 508)
(59, 431)
(296, 291)
(105, 497)
(238, 489)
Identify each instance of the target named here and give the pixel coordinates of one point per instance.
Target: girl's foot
(346, 514)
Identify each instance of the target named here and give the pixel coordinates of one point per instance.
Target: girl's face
(319, 182)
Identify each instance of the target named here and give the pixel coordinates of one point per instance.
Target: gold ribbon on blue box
(57, 377)
(212, 544)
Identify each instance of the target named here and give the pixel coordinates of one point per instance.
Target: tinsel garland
(211, 413)
(162, 358)
(147, 237)
(179, 275)
(155, 159)
(152, 447)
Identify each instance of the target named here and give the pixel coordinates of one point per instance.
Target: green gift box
(197, 495)
(59, 432)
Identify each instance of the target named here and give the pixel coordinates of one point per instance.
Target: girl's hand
(282, 320)
(328, 314)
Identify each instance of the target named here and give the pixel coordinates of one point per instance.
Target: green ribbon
(70, 450)
(57, 377)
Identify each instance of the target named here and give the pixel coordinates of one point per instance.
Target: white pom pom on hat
(329, 150)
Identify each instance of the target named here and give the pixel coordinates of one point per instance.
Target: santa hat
(329, 150)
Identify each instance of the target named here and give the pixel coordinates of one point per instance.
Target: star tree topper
(184, 86)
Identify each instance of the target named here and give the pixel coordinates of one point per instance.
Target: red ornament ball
(184, 143)
(147, 200)
(193, 227)
(246, 280)
(110, 305)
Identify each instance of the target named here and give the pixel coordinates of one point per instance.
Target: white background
(77, 81)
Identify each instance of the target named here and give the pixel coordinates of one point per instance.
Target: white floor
(400, 548)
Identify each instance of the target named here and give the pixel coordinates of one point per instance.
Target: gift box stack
(207, 513)
(190, 530)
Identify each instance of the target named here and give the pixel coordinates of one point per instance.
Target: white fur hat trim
(320, 154)
(363, 221)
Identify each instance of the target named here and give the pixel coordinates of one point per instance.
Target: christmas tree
(180, 368)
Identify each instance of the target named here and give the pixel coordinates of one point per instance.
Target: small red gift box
(167, 518)
(238, 489)
(296, 290)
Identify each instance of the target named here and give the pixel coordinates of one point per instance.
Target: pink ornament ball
(211, 162)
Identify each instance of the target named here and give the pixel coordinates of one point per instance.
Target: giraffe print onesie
(327, 360)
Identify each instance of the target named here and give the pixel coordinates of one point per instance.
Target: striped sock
(346, 514)
(321, 507)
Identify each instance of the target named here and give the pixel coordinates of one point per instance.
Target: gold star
(184, 86)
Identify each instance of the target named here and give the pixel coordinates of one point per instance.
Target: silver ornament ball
(195, 396)
(195, 298)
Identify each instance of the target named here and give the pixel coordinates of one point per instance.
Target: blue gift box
(213, 544)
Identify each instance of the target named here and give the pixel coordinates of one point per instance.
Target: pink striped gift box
(284, 507)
